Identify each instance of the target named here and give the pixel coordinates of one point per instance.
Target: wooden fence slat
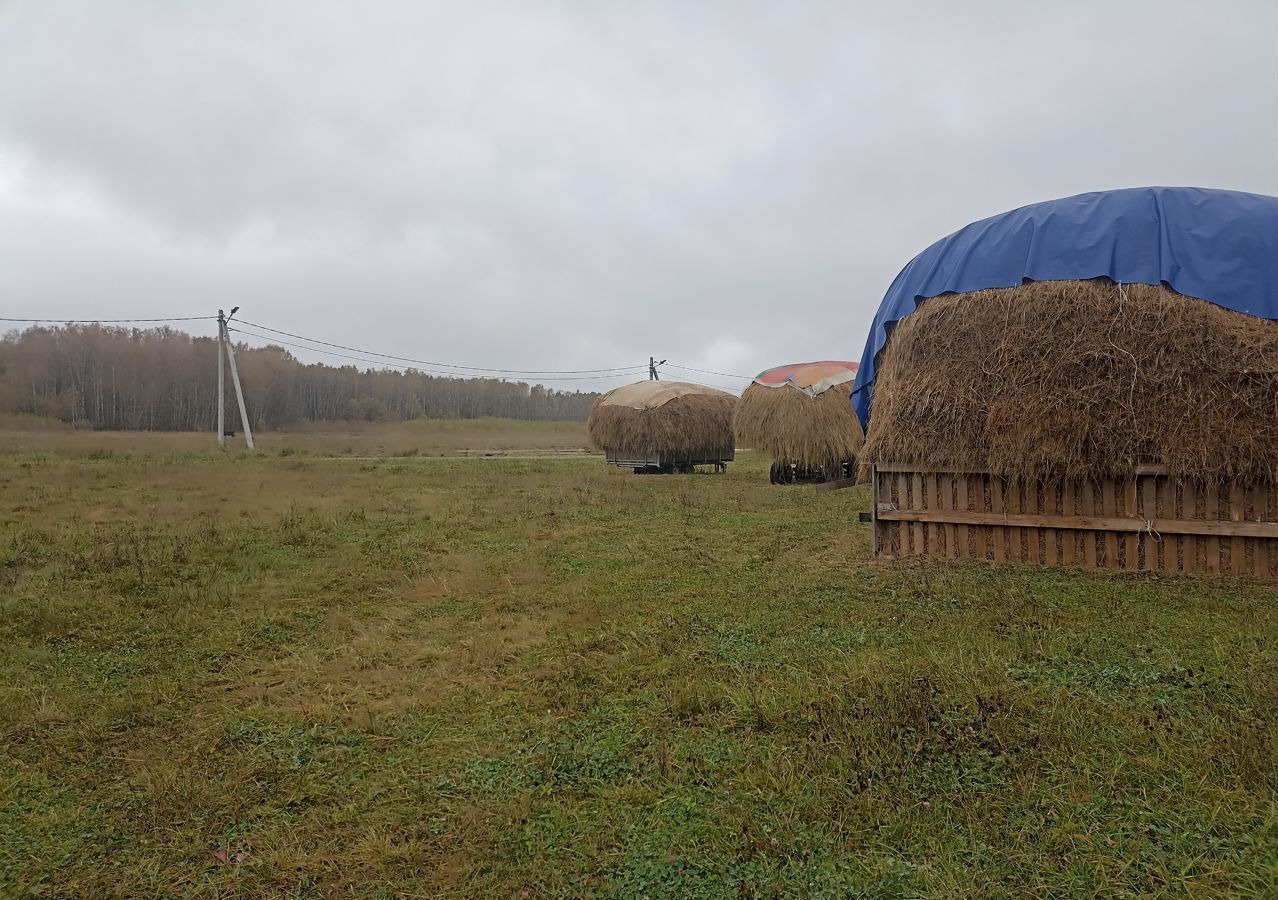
(1033, 536)
(1237, 561)
(1168, 550)
(877, 495)
(1188, 510)
(1013, 496)
(1271, 515)
(1069, 507)
(902, 501)
(1259, 550)
(984, 503)
(1049, 551)
(935, 530)
(1211, 513)
(1110, 508)
(960, 503)
(1090, 539)
(1147, 545)
(999, 504)
(945, 500)
(916, 502)
(1130, 541)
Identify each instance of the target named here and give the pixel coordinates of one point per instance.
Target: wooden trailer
(1146, 522)
(670, 463)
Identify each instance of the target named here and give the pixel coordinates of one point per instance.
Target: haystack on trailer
(1091, 380)
(800, 416)
(664, 427)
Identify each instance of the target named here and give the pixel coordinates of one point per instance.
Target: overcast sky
(540, 185)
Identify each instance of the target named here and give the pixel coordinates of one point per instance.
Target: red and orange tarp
(812, 378)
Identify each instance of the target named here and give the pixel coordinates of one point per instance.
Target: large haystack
(1078, 378)
(663, 417)
(800, 416)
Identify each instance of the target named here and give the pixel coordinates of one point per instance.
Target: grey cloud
(576, 185)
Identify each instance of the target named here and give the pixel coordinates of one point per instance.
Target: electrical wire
(709, 372)
(111, 321)
(425, 362)
(717, 387)
(633, 370)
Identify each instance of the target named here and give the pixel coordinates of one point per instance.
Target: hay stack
(1078, 379)
(662, 417)
(803, 417)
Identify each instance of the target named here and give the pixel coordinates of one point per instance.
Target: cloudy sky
(545, 185)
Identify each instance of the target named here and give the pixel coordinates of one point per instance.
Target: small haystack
(801, 417)
(1079, 378)
(663, 425)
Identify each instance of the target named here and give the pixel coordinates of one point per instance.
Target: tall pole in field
(235, 379)
(652, 368)
(221, 381)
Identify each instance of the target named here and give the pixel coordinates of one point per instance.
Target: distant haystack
(663, 426)
(800, 415)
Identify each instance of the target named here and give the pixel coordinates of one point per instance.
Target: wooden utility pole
(224, 338)
(652, 368)
(221, 380)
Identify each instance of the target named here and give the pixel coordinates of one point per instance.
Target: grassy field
(428, 437)
(281, 675)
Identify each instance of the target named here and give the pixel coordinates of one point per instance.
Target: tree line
(162, 379)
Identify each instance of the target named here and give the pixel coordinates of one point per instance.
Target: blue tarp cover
(1220, 246)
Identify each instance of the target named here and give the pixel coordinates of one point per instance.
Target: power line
(482, 371)
(111, 321)
(717, 387)
(425, 362)
(634, 370)
(709, 372)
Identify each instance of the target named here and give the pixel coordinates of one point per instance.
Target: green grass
(284, 676)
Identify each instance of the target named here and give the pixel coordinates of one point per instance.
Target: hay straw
(791, 426)
(1078, 379)
(699, 420)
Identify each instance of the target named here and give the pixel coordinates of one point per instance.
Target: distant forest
(166, 380)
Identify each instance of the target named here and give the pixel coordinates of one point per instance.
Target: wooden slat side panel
(933, 545)
(1109, 495)
(1131, 542)
(884, 489)
(1122, 524)
(1259, 548)
(945, 534)
(1050, 504)
(1269, 550)
(916, 502)
(880, 492)
(1033, 536)
(1168, 551)
(980, 503)
(1091, 540)
(1147, 543)
(1188, 509)
(999, 503)
(1012, 500)
(1211, 513)
(1237, 512)
(900, 496)
(1069, 507)
(1150, 522)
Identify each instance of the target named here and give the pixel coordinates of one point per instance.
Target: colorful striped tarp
(812, 378)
